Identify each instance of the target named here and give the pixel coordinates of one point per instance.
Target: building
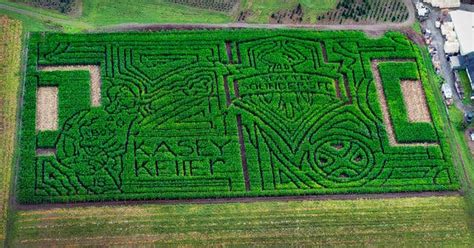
(444, 3)
(422, 11)
(463, 25)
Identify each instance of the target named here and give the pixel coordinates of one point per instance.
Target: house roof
(448, 93)
(456, 61)
(464, 26)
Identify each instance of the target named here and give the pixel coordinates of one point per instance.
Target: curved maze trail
(219, 114)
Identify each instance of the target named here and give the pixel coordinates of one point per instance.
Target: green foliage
(392, 74)
(63, 6)
(190, 114)
(366, 11)
(217, 5)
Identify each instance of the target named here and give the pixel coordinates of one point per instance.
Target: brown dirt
(47, 108)
(45, 151)
(414, 36)
(386, 116)
(415, 101)
(95, 80)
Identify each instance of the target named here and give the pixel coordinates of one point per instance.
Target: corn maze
(226, 113)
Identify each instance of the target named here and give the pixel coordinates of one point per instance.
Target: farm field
(366, 12)
(108, 14)
(262, 10)
(445, 221)
(409, 222)
(10, 47)
(197, 114)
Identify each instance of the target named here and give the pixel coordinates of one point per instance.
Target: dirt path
(95, 78)
(385, 112)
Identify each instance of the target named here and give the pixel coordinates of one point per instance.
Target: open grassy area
(438, 221)
(10, 48)
(100, 13)
(109, 12)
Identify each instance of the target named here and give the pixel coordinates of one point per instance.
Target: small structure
(447, 93)
(456, 62)
(451, 36)
(468, 118)
(451, 47)
(422, 11)
(444, 3)
(447, 27)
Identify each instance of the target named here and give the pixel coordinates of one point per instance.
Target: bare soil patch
(386, 116)
(95, 80)
(45, 151)
(415, 101)
(47, 108)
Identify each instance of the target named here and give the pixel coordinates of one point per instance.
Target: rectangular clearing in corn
(47, 108)
(229, 113)
(415, 101)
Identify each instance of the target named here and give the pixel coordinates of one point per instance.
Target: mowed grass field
(426, 222)
(10, 47)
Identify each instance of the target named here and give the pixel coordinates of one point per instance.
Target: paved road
(446, 72)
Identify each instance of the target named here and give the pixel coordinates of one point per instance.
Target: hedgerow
(227, 113)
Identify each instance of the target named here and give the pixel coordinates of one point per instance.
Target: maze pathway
(192, 114)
